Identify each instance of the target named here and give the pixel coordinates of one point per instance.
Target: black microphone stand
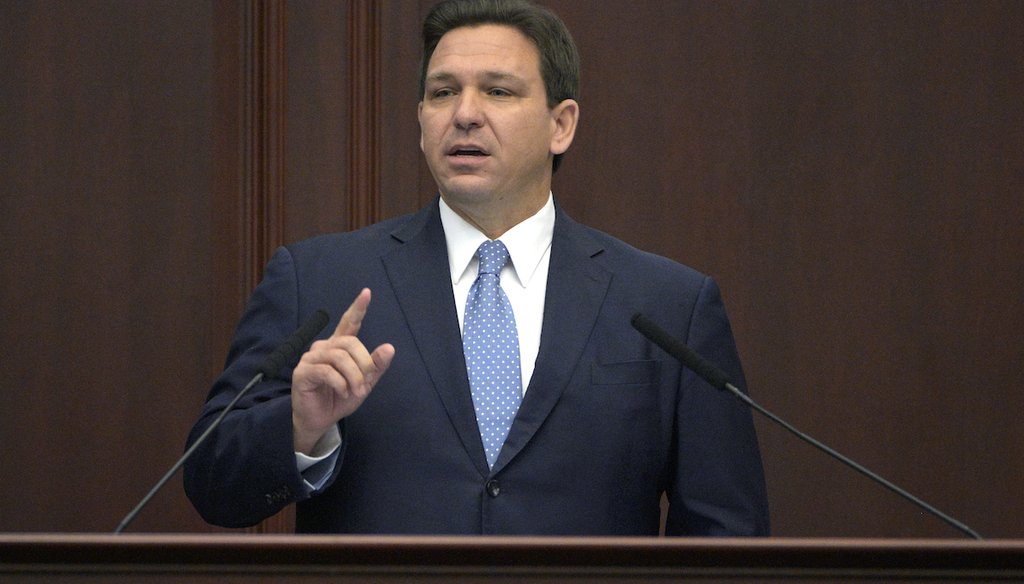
(718, 379)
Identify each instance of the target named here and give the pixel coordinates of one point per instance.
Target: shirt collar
(527, 242)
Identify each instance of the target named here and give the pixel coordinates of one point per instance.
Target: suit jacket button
(493, 488)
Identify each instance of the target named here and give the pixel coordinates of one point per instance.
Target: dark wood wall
(850, 172)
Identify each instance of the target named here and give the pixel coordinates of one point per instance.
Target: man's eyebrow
(440, 77)
(490, 76)
(500, 76)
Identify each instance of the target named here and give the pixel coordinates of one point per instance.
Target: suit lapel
(421, 279)
(576, 289)
(420, 276)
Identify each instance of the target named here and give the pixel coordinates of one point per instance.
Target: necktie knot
(493, 257)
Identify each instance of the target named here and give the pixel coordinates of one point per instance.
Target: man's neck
(494, 219)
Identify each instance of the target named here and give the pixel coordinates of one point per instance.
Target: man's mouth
(467, 151)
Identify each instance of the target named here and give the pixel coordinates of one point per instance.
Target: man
(396, 423)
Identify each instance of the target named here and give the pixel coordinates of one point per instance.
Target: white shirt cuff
(318, 466)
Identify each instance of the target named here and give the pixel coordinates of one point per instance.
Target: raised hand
(334, 377)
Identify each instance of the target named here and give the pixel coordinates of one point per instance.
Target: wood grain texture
(850, 172)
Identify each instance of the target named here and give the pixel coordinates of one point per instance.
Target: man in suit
(385, 425)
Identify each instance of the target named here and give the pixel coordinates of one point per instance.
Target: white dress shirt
(524, 279)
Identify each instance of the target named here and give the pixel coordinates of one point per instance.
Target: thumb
(382, 357)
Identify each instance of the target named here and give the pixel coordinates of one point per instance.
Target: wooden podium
(294, 558)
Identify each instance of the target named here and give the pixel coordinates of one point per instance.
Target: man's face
(486, 130)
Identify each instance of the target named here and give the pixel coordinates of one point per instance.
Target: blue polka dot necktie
(491, 344)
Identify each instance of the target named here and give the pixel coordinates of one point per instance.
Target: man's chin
(467, 190)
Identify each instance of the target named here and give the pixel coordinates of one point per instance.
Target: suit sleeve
(246, 470)
(717, 487)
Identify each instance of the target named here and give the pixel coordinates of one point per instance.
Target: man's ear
(564, 118)
(419, 117)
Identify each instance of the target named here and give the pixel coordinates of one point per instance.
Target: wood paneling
(262, 98)
(106, 276)
(850, 172)
(319, 97)
(353, 139)
(364, 160)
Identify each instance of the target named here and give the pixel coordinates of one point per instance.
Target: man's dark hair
(559, 59)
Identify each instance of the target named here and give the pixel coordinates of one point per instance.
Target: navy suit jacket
(608, 423)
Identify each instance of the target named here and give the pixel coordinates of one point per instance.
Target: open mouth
(466, 151)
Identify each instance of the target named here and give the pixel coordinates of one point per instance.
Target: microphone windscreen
(290, 348)
(657, 335)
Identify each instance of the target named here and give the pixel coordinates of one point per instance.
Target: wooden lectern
(142, 559)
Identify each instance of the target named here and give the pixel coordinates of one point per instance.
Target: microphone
(283, 354)
(719, 380)
(290, 348)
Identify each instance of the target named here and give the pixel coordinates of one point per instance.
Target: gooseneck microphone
(718, 379)
(283, 354)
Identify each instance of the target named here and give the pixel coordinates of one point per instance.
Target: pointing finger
(352, 320)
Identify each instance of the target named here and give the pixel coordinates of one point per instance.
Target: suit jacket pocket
(625, 373)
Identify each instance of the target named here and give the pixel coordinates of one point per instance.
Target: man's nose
(468, 112)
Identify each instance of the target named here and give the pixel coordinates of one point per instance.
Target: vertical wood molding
(263, 132)
(364, 163)
(263, 154)
(249, 160)
(248, 152)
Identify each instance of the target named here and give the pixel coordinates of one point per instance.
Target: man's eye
(441, 93)
(499, 92)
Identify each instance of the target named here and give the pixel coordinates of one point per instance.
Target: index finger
(352, 320)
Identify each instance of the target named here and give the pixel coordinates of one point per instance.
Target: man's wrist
(323, 448)
(307, 441)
